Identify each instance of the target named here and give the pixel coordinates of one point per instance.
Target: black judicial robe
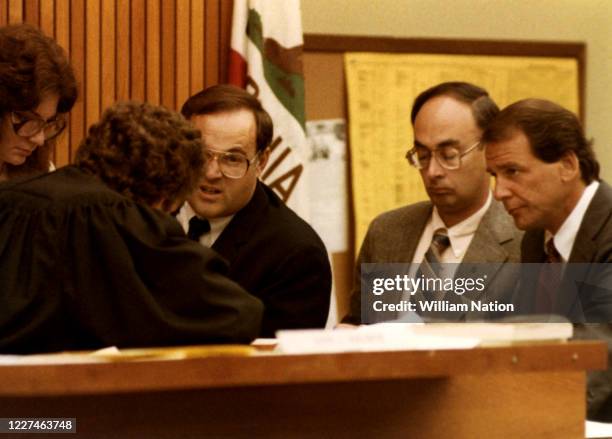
(83, 267)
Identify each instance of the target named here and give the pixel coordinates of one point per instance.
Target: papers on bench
(379, 337)
(112, 354)
(598, 430)
(410, 336)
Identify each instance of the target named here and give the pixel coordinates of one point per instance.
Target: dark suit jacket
(591, 300)
(584, 295)
(393, 238)
(280, 259)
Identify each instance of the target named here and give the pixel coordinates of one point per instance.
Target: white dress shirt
(217, 225)
(565, 237)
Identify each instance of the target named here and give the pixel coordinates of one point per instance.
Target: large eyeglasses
(231, 164)
(449, 157)
(26, 124)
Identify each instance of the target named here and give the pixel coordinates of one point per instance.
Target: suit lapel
(494, 229)
(584, 252)
(405, 244)
(595, 218)
(241, 227)
(400, 245)
(486, 253)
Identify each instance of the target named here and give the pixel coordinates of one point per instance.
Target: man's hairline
(453, 97)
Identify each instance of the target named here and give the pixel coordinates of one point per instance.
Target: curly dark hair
(145, 152)
(31, 66)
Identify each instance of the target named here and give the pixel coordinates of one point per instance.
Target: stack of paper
(399, 336)
(499, 332)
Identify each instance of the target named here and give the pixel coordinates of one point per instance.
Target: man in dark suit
(547, 176)
(448, 120)
(271, 252)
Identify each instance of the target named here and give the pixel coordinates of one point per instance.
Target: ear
(262, 160)
(569, 167)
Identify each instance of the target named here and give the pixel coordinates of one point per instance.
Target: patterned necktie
(549, 280)
(433, 257)
(197, 228)
(431, 267)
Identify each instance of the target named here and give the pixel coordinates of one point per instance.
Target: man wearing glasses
(271, 251)
(461, 223)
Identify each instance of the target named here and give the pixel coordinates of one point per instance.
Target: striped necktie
(433, 257)
(431, 267)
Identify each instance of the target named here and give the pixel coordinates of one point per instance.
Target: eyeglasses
(449, 157)
(26, 124)
(231, 164)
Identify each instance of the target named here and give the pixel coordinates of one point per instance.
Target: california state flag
(266, 60)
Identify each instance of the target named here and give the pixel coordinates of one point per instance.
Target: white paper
(365, 339)
(327, 168)
(598, 429)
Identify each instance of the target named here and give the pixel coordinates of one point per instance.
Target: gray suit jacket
(593, 245)
(393, 238)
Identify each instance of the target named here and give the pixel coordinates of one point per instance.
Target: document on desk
(379, 337)
(496, 333)
(113, 354)
(49, 359)
(598, 430)
(411, 336)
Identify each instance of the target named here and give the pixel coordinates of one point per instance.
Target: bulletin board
(384, 76)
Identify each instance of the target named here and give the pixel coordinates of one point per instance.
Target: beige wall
(588, 21)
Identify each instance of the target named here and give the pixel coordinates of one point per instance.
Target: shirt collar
(565, 237)
(460, 234)
(217, 225)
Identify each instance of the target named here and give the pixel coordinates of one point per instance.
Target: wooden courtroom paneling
(108, 48)
(153, 52)
(91, 89)
(160, 51)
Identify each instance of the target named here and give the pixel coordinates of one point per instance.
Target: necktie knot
(552, 254)
(440, 240)
(432, 267)
(439, 243)
(197, 228)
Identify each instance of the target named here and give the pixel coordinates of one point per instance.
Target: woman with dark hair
(89, 258)
(37, 90)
